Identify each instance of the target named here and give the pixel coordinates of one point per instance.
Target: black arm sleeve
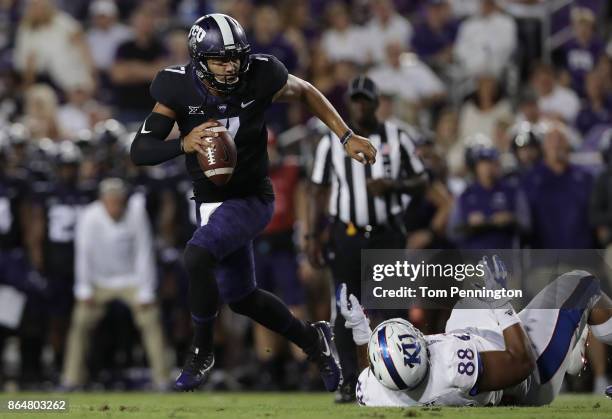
(149, 147)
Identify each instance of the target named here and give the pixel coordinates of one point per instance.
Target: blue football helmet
(218, 36)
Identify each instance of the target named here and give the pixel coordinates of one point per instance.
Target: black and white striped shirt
(349, 199)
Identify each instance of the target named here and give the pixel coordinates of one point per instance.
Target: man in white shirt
(105, 34)
(409, 80)
(385, 27)
(554, 100)
(340, 40)
(485, 42)
(114, 261)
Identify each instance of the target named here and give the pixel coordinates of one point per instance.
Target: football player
(486, 353)
(54, 211)
(225, 83)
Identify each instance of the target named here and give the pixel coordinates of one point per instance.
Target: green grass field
(286, 405)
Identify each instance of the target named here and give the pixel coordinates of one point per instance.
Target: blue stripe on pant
(568, 320)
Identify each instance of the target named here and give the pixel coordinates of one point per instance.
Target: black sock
(203, 295)
(269, 311)
(203, 333)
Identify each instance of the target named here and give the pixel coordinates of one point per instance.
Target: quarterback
(487, 356)
(223, 83)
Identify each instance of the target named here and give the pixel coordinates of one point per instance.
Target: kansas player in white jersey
(485, 354)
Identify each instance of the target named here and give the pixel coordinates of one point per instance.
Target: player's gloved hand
(495, 279)
(360, 149)
(194, 141)
(356, 319)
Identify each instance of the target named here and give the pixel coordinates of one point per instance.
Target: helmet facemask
(222, 83)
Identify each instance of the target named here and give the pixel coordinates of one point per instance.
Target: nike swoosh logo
(143, 131)
(244, 105)
(326, 352)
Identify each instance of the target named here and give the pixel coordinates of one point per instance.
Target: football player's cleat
(577, 358)
(326, 357)
(346, 393)
(608, 392)
(196, 369)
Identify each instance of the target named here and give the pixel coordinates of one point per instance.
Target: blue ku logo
(410, 350)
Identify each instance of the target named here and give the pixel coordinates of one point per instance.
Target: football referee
(364, 203)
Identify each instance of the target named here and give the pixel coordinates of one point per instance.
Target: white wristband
(506, 316)
(361, 335)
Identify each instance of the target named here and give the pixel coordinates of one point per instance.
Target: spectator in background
(528, 109)
(435, 36)
(526, 147)
(414, 85)
(267, 38)
(583, 51)
(558, 193)
(554, 100)
(485, 42)
(178, 50)
(601, 199)
(447, 138)
(80, 112)
(426, 217)
(339, 42)
(241, 10)
(136, 63)
(491, 213)
(385, 27)
(299, 29)
(40, 112)
(104, 36)
(114, 260)
(481, 113)
(50, 46)
(596, 108)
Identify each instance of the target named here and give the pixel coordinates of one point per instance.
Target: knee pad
(197, 259)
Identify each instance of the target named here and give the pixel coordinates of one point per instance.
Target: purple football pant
(227, 230)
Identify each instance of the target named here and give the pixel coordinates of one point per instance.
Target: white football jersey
(451, 381)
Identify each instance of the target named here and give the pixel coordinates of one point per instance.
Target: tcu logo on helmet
(197, 33)
(410, 351)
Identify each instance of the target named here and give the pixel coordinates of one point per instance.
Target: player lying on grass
(488, 355)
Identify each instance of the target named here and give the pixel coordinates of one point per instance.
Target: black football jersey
(61, 204)
(242, 113)
(13, 192)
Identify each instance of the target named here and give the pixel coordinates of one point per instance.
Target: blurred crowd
(510, 111)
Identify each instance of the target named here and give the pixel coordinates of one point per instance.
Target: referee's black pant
(344, 258)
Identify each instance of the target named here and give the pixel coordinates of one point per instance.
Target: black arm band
(149, 147)
(347, 135)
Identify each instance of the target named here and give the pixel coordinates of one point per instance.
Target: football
(219, 158)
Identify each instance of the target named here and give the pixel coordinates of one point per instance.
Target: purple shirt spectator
(580, 59)
(589, 116)
(597, 107)
(436, 32)
(280, 48)
(559, 200)
(502, 197)
(428, 42)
